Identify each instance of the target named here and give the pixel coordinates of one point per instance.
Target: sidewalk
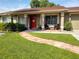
(72, 48)
(76, 35)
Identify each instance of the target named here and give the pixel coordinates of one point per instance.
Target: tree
(50, 4)
(41, 3)
(35, 3)
(44, 3)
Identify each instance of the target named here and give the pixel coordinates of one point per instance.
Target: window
(51, 20)
(4, 19)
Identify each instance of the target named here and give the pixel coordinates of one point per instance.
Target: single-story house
(35, 17)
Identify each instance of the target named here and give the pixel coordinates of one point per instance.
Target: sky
(9, 5)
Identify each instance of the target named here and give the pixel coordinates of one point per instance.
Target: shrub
(10, 27)
(2, 26)
(39, 27)
(15, 27)
(46, 26)
(57, 26)
(68, 26)
(20, 27)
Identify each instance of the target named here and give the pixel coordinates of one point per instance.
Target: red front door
(32, 22)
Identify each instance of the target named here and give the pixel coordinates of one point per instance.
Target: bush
(46, 27)
(15, 27)
(20, 27)
(10, 27)
(68, 26)
(2, 26)
(39, 27)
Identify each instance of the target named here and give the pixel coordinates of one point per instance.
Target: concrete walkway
(74, 49)
(76, 35)
(1, 33)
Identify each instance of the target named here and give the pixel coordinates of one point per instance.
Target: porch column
(9, 18)
(26, 21)
(17, 20)
(62, 21)
(58, 19)
(12, 19)
(69, 17)
(42, 21)
(1, 19)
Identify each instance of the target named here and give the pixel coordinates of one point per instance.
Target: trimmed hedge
(67, 26)
(12, 27)
(20, 27)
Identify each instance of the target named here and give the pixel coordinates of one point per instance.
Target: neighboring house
(35, 17)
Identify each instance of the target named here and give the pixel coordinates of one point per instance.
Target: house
(35, 17)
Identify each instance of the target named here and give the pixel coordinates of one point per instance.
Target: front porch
(37, 21)
(46, 21)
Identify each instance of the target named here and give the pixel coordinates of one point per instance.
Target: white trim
(42, 19)
(74, 13)
(58, 20)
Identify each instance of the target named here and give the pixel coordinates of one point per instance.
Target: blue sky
(7, 5)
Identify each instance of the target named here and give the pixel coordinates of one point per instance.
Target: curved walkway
(74, 49)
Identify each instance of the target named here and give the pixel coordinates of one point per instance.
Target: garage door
(75, 21)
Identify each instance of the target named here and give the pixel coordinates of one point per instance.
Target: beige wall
(75, 21)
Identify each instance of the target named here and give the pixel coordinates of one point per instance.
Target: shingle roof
(43, 10)
(73, 9)
(38, 9)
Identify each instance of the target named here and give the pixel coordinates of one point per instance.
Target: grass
(13, 46)
(67, 38)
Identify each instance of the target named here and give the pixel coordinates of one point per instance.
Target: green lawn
(13, 46)
(67, 38)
